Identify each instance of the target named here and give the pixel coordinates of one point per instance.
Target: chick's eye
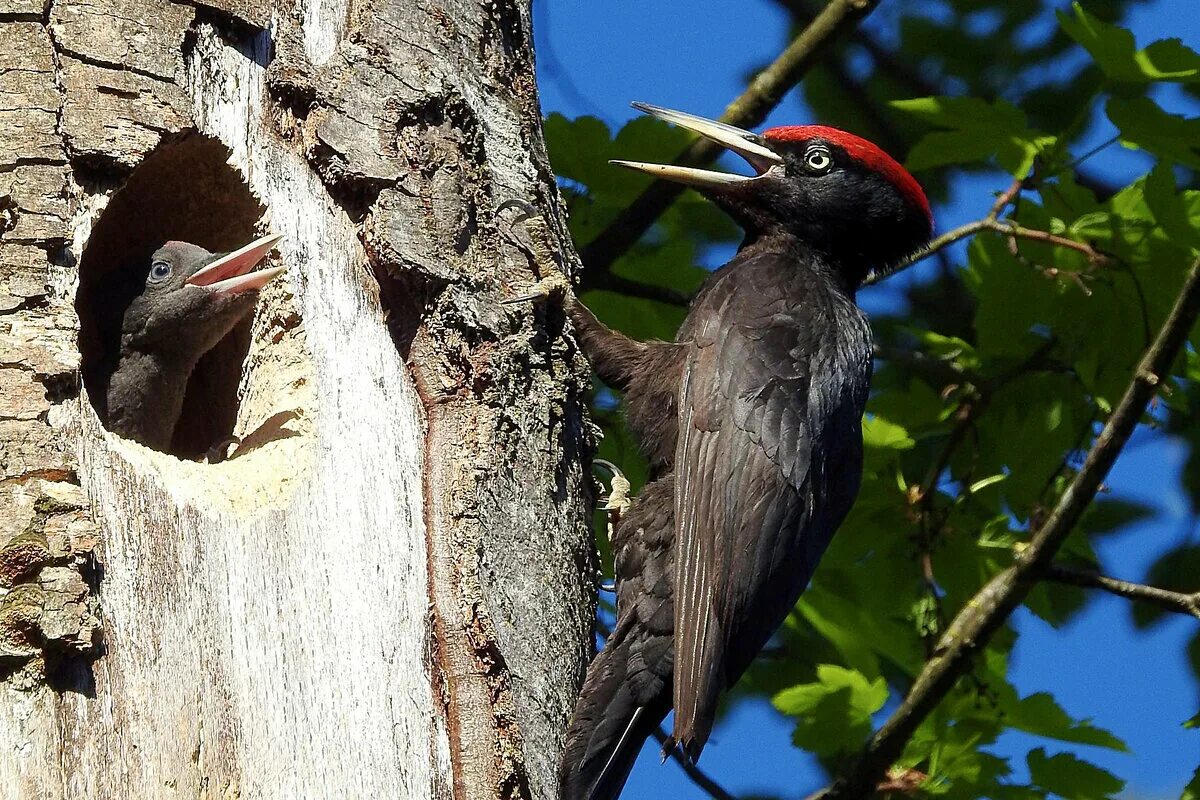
(818, 159)
(159, 271)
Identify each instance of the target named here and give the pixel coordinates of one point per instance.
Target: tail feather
(627, 692)
(608, 728)
(616, 770)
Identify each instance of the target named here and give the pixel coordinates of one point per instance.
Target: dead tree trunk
(385, 590)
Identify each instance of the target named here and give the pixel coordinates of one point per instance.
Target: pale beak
(231, 273)
(746, 144)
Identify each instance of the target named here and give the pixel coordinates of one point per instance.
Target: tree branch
(1177, 602)
(988, 610)
(748, 110)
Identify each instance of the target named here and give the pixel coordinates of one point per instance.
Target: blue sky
(596, 57)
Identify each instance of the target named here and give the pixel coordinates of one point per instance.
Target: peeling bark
(385, 590)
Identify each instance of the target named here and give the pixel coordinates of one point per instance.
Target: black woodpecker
(180, 303)
(751, 420)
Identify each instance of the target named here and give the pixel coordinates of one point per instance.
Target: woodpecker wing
(756, 500)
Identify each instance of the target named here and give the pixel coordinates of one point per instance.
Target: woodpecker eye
(818, 160)
(159, 271)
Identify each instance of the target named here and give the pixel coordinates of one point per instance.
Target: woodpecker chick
(751, 420)
(184, 300)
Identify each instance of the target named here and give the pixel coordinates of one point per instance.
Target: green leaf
(573, 144)
(1107, 515)
(1170, 211)
(1177, 570)
(835, 711)
(1192, 790)
(1071, 778)
(978, 130)
(1114, 50)
(1012, 300)
(1056, 604)
(881, 434)
(1041, 714)
(959, 113)
(866, 696)
(844, 603)
(947, 348)
(1144, 125)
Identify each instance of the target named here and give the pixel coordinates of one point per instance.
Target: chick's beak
(231, 273)
(746, 144)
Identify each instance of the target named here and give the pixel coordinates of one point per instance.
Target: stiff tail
(608, 728)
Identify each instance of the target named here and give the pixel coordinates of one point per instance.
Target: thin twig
(939, 371)
(975, 403)
(988, 223)
(992, 606)
(1005, 197)
(1010, 228)
(748, 110)
(1177, 602)
(970, 409)
(694, 773)
(609, 281)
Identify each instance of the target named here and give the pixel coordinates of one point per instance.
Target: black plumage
(157, 319)
(751, 420)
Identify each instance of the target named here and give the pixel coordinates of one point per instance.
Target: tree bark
(386, 589)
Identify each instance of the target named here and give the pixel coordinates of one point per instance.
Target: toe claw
(525, 298)
(538, 246)
(220, 451)
(618, 497)
(554, 284)
(527, 209)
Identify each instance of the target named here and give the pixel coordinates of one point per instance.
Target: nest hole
(185, 190)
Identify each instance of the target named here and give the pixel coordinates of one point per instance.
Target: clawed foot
(617, 499)
(615, 503)
(554, 283)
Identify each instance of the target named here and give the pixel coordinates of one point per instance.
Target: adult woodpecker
(174, 308)
(751, 421)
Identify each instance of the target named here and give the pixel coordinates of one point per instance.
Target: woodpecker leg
(615, 503)
(538, 247)
(613, 355)
(220, 451)
(617, 500)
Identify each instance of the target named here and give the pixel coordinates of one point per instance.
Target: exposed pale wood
(385, 592)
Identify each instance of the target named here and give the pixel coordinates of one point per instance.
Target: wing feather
(744, 502)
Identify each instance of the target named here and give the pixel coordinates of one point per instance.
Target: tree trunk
(385, 589)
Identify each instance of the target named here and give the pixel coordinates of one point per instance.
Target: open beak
(231, 273)
(746, 144)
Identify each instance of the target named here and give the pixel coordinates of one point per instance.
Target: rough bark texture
(385, 590)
